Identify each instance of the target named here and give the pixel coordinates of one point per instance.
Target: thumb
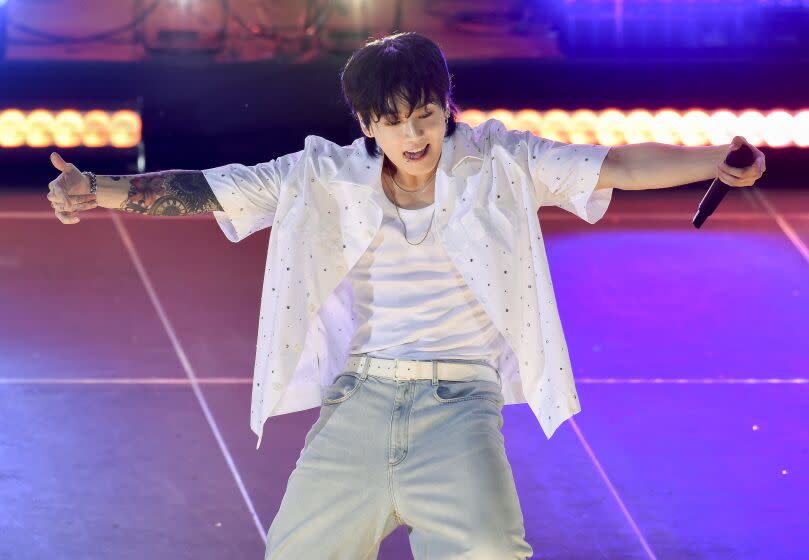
(58, 162)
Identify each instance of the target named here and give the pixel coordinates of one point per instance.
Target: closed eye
(422, 117)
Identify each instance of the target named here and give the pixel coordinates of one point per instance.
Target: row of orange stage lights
(42, 128)
(69, 128)
(694, 127)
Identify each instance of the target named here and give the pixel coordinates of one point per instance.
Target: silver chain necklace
(396, 204)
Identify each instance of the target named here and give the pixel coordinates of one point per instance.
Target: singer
(408, 296)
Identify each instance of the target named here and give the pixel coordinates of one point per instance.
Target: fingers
(732, 171)
(67, 206)
(733, 181)
(80, 203)
(71, 217)
(67, 217)
(58, 162)
(741, 176)
(80, 206)
(77, 198)
(75, 206)
(742, 173)
(68, 201)
(724, 177)
(55, 192)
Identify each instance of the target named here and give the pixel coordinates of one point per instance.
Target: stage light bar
(69, 128)
(776, 128)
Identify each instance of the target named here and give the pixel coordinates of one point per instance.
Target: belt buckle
(395, 368)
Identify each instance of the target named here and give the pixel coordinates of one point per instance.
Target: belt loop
(435, 372)
(365, 365)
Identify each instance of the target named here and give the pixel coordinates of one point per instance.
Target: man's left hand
(741, 176)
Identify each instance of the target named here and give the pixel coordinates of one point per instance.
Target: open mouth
(416, 156)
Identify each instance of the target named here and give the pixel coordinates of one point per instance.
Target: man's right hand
(69, 193)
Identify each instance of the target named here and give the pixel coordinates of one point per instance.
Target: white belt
(395, 368)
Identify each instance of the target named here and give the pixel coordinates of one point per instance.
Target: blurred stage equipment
(184, 26)
(735, 28)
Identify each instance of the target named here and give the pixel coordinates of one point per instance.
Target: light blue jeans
(428, 454)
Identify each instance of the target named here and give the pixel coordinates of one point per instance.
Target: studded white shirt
(324, 206)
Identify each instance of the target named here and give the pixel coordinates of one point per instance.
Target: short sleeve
(249, 194)
(562, 175)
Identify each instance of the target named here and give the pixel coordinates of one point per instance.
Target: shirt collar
(362, 170)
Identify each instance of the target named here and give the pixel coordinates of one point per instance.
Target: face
(425, 126)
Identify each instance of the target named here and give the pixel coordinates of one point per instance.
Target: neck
(411, 182)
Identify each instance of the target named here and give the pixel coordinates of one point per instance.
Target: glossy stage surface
(127, 355)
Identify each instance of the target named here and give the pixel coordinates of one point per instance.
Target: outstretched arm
(162, 193)
(652, 165)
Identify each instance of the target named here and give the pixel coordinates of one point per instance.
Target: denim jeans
(386, 452)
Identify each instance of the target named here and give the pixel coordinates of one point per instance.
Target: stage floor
(126, 368)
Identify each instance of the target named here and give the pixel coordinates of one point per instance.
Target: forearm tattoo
(169, 193)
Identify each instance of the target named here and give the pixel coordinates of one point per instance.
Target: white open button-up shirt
(324, 206)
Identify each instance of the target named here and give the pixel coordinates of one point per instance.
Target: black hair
(404, 65)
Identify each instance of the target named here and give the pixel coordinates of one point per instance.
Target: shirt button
(312, 307)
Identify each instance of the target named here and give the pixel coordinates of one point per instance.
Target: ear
(365, 131)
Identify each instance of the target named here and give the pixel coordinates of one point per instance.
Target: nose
(411, 128)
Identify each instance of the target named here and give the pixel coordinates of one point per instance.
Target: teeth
(416, 154)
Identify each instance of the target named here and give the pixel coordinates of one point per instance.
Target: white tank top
(410, 302)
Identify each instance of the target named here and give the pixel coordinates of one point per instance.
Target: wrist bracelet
(93, 183)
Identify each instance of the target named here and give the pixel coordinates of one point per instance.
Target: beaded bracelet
(93, 183)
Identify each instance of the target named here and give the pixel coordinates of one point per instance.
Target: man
(408, 295)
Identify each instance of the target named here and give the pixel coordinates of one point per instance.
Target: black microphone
(740, 157)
